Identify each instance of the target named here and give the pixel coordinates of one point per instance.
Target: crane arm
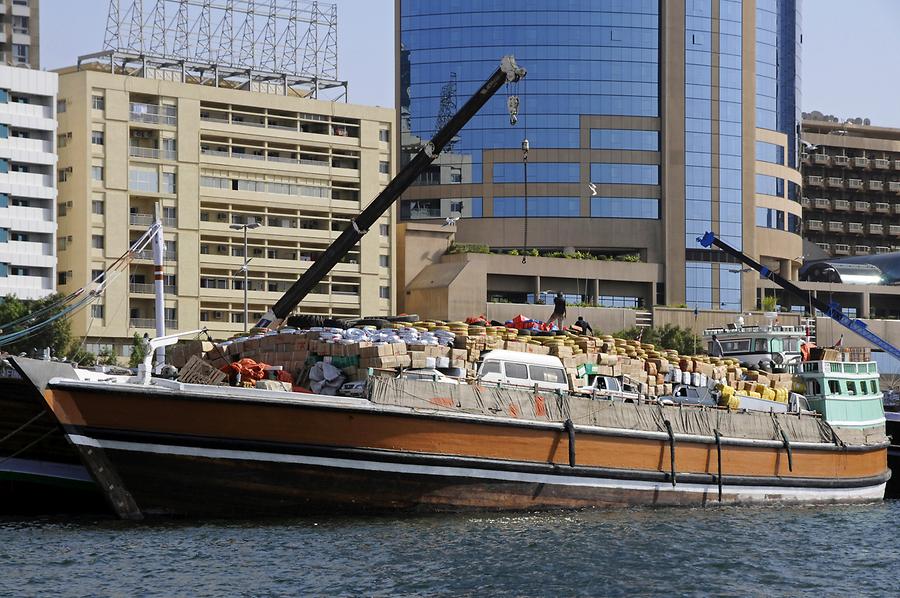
(832, 309)
(507, 72)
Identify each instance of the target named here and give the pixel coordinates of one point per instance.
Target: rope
(22, 427)
(525, 148)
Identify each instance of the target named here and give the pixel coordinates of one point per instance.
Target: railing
(876, 229)
(855, 227)
(840, 249)
(841, 160)
(836, 227)
(141, 219)
(894, 230)
(860, 162)
(882, 249)
(143, 152)
(153, 113)
(151, 323)
(876, 185)
(821, 158)
(882, 163)
(862, 250)
(815, 181)
(851, 183)
(147, 254)
(815, 225)
(894, 186)
(149, 289)
(805, 202)
(822, 203)
(861, 206)
(842, 204)
(883, 208)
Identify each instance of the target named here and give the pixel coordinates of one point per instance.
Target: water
(793, 551)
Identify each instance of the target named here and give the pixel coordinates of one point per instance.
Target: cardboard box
(383, 350)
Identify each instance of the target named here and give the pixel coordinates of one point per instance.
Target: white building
(27, 182)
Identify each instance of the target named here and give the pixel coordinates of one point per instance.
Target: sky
(849, 51)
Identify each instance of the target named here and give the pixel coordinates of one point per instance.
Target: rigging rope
(87, 297)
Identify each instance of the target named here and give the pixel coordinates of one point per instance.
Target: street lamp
(245, 227)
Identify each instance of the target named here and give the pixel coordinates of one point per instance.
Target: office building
(649, 123)
(851, 199)
(19, 33)
(215, 156)
(27, 182)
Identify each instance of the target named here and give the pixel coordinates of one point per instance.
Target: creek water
(843, 550)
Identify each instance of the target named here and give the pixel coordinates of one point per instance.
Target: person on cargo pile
(716, 349)
(559, 311)
(584, 325)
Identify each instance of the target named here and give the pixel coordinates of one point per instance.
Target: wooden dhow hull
(207, 451)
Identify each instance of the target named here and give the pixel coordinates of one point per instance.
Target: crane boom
(507, 72)
(831, 309)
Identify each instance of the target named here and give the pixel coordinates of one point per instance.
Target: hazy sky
(849, 51)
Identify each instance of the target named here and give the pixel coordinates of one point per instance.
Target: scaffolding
(282, 46)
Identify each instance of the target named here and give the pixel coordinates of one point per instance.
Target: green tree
(138, 351)
(669, 336)
(108, 356)
(82, 357)
(57, 335)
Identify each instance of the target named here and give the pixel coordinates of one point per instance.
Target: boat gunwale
(314, 401)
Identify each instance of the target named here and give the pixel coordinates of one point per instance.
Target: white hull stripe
(875, 492)
(858, 424)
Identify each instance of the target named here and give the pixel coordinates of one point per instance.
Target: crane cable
(87, 297)
(525, 148)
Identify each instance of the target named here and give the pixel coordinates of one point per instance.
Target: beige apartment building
(19, 33)
(215, 158)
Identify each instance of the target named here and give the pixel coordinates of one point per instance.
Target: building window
(384, 135)
(625, 174)
(63, 139)
(625, 139)
(97, 311)
(769, 185)
(96, 274)
(384, 261)
(384, 167)
(18, 271)
(61, 106)
(63, 174)
(384, 292)
(97, 137)
(97, 207)
(98, 102)
(4, 269)
(769, 152)
(168, 182)
(97, 241)
(625, 207)
(20, 24)
(384, 230)
(512, 207)
(143, 179)
(97, 173)
(20, 52)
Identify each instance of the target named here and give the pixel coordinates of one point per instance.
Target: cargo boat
(169, 448)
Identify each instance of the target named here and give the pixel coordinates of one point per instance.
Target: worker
(716, 349)
(583, 324)
(559, 311)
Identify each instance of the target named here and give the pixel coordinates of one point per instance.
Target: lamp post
(245, 227)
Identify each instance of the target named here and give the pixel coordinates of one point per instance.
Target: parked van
(523, 369)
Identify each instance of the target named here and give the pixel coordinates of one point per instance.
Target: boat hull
(892, 426)
(40, 471)
(177, 453)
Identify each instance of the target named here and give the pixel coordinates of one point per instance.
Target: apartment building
(19, 32)
(216, 159)
(27, 182)
(851, 200)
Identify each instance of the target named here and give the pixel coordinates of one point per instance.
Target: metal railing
(150, 289)
(152, 113)
(150, 323)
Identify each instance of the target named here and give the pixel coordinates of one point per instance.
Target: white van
(523, 369)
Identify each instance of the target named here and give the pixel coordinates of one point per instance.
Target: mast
(159, 252)
(507, 72)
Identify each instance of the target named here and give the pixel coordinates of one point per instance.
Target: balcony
(805, 158)
(153, 114)
(151, 323)
(855, 228)
(861, 206)
(836, 182)
(147, 254)
(876, 229)
(821, 203)
(882, 208)
(815, 181)
(897, 208)
(894, 230)
(876, 185)
(841, 205)
(139, 288)
(854, 184)
(841, 249)
(862, 250)
(141, 219)
(882, 249)
(826, 247)
(860, 162)
(835, 227)
(805, 202)
(815, 225)
(843, 161)
(821, 159)
(882, 163)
